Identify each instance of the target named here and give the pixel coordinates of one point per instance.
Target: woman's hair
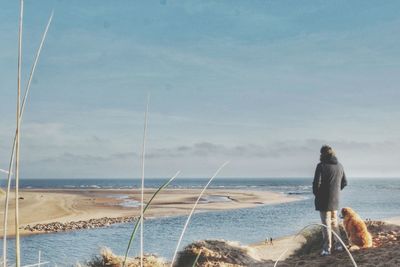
(326, 152)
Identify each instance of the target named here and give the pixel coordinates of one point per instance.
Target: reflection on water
(125, 201)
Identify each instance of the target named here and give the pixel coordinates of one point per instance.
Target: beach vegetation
(193, 209)
(16, 143)
(132, 237)
(313, 241)
(108, 259)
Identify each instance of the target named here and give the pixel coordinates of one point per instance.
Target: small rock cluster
(89, 224)
(387, 238)
(383, 234)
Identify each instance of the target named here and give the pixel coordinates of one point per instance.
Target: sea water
(371, 198)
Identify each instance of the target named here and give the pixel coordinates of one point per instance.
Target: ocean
(372, 198)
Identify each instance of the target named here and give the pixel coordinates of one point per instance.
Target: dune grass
(132, 237)
(20, 111)
(313, 241)
(17, 144)
(142, 187)
(193, 209)
(196, 259)
(333, 232)
(108, 258)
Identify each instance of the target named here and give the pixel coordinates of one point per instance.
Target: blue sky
(260, 83)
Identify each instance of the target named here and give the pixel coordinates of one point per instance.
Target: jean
(330, 219)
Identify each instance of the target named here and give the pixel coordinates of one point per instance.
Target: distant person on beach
(329, 179)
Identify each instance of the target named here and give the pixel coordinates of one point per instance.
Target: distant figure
(329, 179)
(270, 241)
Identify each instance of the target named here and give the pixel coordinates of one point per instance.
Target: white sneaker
(325, 253)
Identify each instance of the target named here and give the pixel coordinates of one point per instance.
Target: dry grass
(15, 149)
(216, 253)
(193, 209)
(386, 250)
(109, 259)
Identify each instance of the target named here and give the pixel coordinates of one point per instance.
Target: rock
(89, 224)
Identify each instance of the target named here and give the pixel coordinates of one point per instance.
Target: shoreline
(74, 209)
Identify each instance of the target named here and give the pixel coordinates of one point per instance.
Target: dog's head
(346, 212)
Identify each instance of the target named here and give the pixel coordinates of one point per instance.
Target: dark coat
(329, 179)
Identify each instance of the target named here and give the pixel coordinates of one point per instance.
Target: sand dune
(302, 251)
(385, 250)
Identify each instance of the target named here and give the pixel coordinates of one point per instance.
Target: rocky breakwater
(68, 226)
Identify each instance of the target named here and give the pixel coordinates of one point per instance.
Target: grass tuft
(108, 259)
(313, 242)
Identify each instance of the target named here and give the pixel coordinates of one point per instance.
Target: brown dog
(356, 230)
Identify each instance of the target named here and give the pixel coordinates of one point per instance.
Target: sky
(263, 84)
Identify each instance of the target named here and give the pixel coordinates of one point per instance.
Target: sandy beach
(52, 205)
(393, 220)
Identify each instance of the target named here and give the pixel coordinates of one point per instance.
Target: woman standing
(329, 179)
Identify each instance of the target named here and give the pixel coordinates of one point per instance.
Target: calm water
(371, 198)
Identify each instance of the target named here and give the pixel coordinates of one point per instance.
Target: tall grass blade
(144, 210)
(37, 56)
(12, 158)
(17, 241)
(333, 232)
(193, 209)
(142, 189)
(280, 256)
(196, 259)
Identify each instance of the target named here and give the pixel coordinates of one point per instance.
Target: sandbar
(41, 206)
